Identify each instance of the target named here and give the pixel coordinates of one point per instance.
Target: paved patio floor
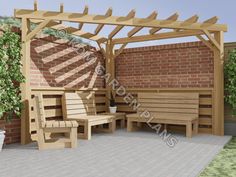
(122, 154)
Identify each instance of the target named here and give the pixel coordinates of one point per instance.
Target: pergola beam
(166, 35)
(113, 20)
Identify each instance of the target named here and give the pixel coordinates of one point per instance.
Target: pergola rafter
(189, 27)
(119, 27)
(100, 26)
(170, 19)
(85, 13)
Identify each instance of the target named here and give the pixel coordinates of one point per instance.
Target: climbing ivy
(230, 80)
(10, 75)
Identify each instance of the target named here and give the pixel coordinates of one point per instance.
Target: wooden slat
(205, 111)
(53, 112)
(100, 99)
(62, 123)
(205, 101)
(33, 126)
(52, 101)
(205, 121)
(171, 96)
(101, 108)
(72, 102)
(202, 101)
(79, 106)
(167, 105)
(122, 108)
(78, 96)
(168, 110)
(153, 100)
(205, 130)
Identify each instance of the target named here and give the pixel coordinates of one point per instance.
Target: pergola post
(110, 69)
(25, 87)
(218, 121)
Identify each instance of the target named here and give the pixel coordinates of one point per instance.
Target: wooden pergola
(209, 32)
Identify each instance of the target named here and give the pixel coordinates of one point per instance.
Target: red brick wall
(55, 63)
(166, 66)
(12, 130)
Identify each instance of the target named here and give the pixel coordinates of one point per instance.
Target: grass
(224, 164)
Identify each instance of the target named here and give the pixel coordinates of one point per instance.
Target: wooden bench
(68, 128)
(81, 107)
(167, 108)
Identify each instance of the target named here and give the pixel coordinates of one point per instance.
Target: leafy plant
(10, 75)
(230, 80)
(112, 101)
(9, 21)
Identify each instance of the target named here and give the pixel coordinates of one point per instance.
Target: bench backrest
(39, 111)
(169, 103)
(78, 104)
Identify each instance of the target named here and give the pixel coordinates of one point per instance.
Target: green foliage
(63, 35)
(8, 21)
(10, 75)
(230, 80)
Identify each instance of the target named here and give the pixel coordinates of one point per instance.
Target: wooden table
(117, 116)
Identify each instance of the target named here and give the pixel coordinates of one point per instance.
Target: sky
(186, 8)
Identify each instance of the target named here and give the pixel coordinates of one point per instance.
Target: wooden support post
(25, 87)
(110, 69)
(218, 119)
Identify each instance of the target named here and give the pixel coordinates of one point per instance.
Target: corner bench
(167, 108)
(81, 107)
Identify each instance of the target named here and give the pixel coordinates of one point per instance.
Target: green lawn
(224, 164)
